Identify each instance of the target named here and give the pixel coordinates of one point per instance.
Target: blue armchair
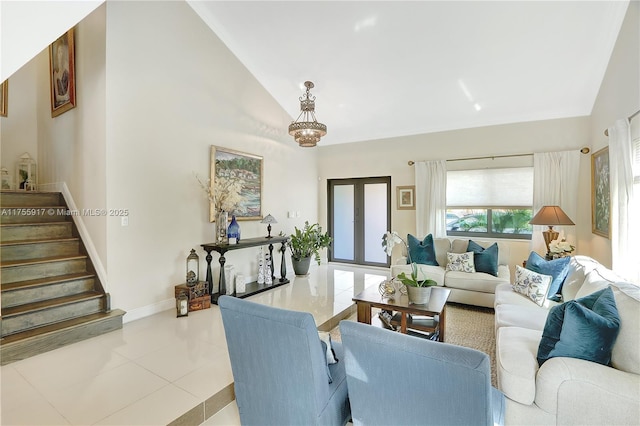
(279, 367)
(395, 379)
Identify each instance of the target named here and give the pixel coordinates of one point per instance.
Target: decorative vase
(268, 278)
(418, 295)
(221, 227)
(234, 229)
(261, 267)
(387, 289)
(301, 266)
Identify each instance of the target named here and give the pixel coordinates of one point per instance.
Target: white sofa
(469, 288)
(567, 390)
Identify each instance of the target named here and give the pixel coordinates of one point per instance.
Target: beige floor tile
(228, 416)
(209, 379)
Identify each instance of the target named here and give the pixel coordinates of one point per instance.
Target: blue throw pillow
(557, 268)
(584, 328)
(484, 259)
(421, 251)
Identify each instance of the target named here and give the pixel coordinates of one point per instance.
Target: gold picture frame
(238, 176)
(4, 98)
(600, 194)
(406, 197)
(62, 73)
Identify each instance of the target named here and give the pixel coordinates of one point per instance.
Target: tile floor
(157, 368)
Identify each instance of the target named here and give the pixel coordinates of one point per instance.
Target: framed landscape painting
(406, 197)
(600, 193)
(236, 180)
(62, 73)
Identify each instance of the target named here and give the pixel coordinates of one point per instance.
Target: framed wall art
(600, 193)
(4, 98)
(62, 74)
(406, 197)
(236, 180)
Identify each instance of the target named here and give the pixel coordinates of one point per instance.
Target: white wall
(174, 90)
(389, 157)
(619, 97)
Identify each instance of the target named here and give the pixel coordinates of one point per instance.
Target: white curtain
(431, 198)
(624, 231)
(555, 183)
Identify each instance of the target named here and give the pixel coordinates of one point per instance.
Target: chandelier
(305, 129)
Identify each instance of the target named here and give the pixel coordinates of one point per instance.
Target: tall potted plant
(306, 243)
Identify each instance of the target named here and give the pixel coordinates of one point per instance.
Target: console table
(252, 287)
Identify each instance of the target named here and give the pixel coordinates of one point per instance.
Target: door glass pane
(375, 221)
(343, 230)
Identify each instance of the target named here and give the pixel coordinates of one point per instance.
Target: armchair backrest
(394, 378)
(279, 367)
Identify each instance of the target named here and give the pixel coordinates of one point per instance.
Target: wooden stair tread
(40, 240)
(59, 326)
(40, 260)
(27, 206)
(45, 281)
(50, 303)
(59, 222)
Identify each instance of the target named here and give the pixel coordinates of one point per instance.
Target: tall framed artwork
(62, 72)
(236, 180)
(600, 193)
(406, 197)
(4, 98)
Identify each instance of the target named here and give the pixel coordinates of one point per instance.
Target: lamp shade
(551, 215)
(269, 219)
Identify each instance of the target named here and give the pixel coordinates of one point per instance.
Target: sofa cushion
(460, 262)
(435, 273)
(532, 284)
(579, 267)
(422, 252)
(516, 364)
(505, 295)
(484, 259)
(557, 268)
(599, 278)
(479, 281)
(625, 355)
(584, 328)
(528, 316)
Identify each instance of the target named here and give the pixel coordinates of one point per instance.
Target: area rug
(469, 326)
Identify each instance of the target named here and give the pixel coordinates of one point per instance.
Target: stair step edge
(39, 241)
(38, 261)
(59, 326)
(49, 304)
(42, 282)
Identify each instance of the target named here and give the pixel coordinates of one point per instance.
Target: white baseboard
(145, 311)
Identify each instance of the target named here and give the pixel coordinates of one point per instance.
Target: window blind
(504, 187)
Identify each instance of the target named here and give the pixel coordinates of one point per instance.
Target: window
(495, 203)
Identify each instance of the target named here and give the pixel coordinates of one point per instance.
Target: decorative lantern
(193, 269)
(182, 305)
(26, 173)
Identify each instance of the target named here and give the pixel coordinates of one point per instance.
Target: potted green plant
(306, 243)
(418, 289)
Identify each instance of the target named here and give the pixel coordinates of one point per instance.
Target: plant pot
(418, 295)
(301, 266)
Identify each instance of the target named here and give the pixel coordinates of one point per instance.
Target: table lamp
(268, 219)
(550, 216)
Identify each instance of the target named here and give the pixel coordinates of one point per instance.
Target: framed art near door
(62, 74)
(406, 197)
(600, 193)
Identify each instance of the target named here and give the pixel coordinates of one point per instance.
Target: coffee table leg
(364, 312)
(443, 323)
(403, 322)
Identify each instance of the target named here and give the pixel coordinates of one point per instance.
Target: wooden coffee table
(371, 298)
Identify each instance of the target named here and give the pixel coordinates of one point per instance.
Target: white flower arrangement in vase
(560, 248)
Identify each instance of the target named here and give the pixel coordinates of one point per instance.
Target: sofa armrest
(584, 392)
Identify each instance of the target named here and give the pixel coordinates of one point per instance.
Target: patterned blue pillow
(557, 268)
(484, 259)
(422, 251)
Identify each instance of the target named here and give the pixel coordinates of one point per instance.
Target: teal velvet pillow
(557, 268)
(584, 328)
(421, 251)
(484, 259)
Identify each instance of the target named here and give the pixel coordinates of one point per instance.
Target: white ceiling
(392, 68)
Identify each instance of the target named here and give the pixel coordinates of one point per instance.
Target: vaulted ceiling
(390, 68)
